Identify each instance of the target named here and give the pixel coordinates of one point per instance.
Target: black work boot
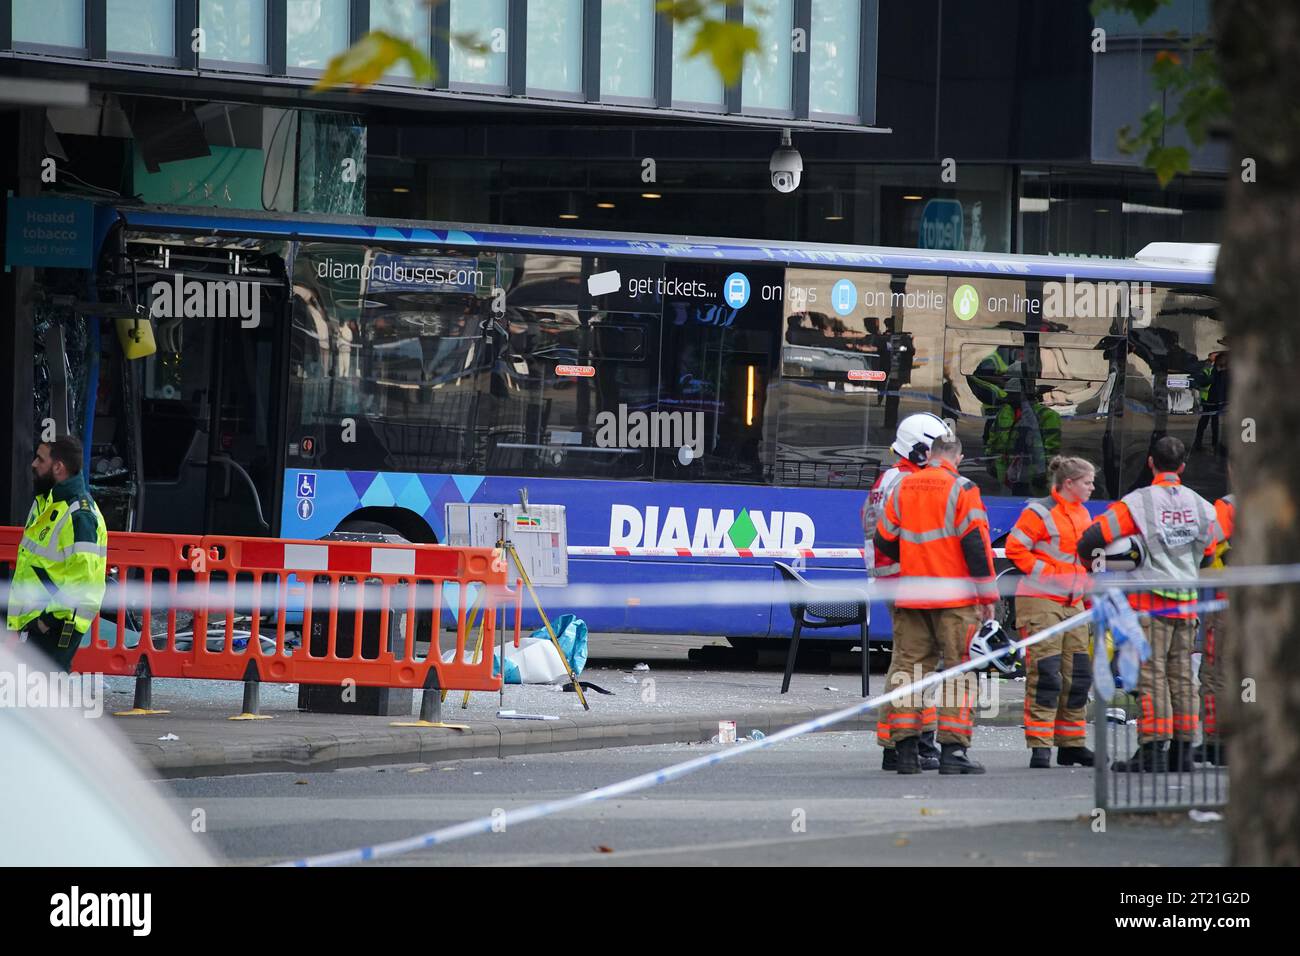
(889, 759)
(954, 760)
(1075, 757)
(1211, 752)
(906, 757)
(1180, 756)
(927, 751)
(1041, 758)
(1149, 758)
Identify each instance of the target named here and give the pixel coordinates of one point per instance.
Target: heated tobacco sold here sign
(55, 233)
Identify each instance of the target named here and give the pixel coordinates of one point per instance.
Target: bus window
(1177, 384)
(719, 353)
(1053, 305)
(564, 376)
(1018, 399)
(385, 357)
(858, 353)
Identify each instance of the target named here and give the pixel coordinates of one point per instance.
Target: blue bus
(672, 392)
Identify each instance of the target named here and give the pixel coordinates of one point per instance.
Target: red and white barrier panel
(598, 552)
(348, 557)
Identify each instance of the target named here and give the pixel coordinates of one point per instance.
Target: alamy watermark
(681, 430)
(21, 687)
(183, 298)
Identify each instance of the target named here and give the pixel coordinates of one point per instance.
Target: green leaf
(726, 44)
(1167, 162)
(367, 60)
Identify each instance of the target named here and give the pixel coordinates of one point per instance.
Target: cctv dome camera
(786, 166)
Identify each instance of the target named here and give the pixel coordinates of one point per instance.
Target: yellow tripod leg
(473, 618)
(478, 650)
(550, 632)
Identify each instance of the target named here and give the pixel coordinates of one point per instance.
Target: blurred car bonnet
(75, 793)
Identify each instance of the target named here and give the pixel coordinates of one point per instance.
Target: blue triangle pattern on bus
(437, 513)
(361, 480)
(378, 493)
(433, 485)
(468, 485)
(413, 496)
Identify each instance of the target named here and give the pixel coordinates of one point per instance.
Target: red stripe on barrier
(446, 563)
(261, 554)
(350, 559)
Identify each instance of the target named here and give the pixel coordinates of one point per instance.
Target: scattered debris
(902, 841)
(927, 812)
(515, 715)
(759, 735)
(641, 667)
(629, 679)
(478, 773)
(419, 770)
(604, 849)
(727, 731)
(169, 737)
(1204, 816)
(300, 783)
(828, 687)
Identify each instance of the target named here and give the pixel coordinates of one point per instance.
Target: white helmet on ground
(991, 638)
(915, 434)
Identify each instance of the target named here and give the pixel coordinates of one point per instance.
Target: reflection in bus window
(859, 352)
(717, 366)
(1176, 384)
(1022, 398)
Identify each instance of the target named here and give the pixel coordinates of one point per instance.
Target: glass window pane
(484, 22)
(317, 30)
(56, 22)
(833, 73)
(555, 45)
(142, 26)
(695, 80)
(403, 18)
(861, 351)
(233, 30)
(627, 46)
(719, 354)
(767, 82)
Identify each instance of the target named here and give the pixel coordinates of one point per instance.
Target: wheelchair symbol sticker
(306, 484)
(305, 508)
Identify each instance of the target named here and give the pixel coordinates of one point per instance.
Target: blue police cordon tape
(537, 811)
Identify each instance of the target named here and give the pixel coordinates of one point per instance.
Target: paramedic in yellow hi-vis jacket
(58, 582)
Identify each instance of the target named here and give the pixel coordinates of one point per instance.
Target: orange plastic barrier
(361, 606)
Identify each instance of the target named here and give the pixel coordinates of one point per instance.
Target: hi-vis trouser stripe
(538, 811)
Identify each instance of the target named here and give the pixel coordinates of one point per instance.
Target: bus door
(204, 406)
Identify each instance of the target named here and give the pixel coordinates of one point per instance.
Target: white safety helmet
(989, 639)
(916, 433)
(1125, 554)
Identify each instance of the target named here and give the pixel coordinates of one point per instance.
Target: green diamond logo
(742, 533)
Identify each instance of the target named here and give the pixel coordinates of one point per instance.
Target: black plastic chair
(816, 606)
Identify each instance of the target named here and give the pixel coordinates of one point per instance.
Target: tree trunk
(1259, 288)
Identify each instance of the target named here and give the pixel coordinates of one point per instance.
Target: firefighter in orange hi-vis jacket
(935, 528)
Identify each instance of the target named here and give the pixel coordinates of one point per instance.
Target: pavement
(816, 800)
(659, 696)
